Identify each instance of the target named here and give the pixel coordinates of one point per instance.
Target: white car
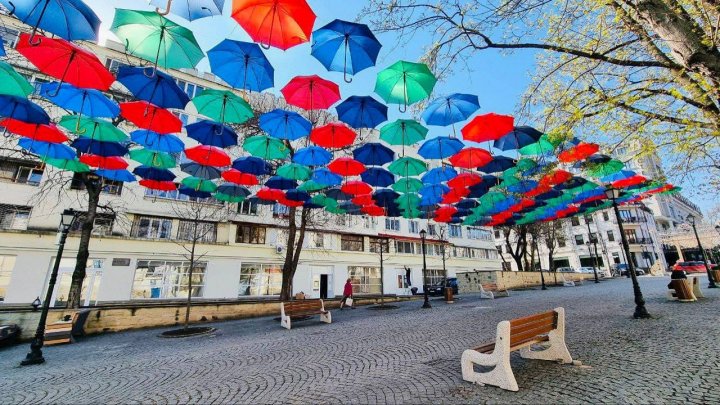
(590, 270)
(566, 270)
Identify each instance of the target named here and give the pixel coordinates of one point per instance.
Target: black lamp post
(640, 310)
(594, 241)
(711, 281)
(426, 304)
(35, 355)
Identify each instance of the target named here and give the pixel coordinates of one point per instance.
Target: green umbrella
(157, 160)
(150, 36)
(294, 171)
(585, 187)
(334, 209)
(266, 147)
(322, 199)
(95, 129)
(673, 190)
(229, 198)
(541, 147)
(12, 83)
(66, 164)
(605, 169)
(407, 166)
(525, 164)
(223, 106)
(405, 83)
(198, 184)
(411, 213)
(407, 201)
(407, 185)
(403, 132)
(310, 186)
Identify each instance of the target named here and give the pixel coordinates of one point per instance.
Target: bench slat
(545, 324)
(532, 318)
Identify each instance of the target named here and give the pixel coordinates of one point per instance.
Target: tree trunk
(294, 248)
(190, 274)
(93, 188)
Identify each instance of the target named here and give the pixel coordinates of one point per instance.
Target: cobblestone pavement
(406, 355)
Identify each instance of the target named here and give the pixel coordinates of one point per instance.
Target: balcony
(640, 241)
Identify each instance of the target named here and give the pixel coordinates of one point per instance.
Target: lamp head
(67, 218)
(612, 193)
(36, 303)
(423, 233)
(691, 219)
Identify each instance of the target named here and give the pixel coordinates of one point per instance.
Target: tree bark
(93, 188)
(190, 273)
(294, 248)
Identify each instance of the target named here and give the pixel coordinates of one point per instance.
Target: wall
(470, 282)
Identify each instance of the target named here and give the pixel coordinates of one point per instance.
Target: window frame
(346, 241)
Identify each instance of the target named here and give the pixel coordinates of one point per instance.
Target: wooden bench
(517, 334)
(680, 290)
(302, 308)
(486, 294)
(63, 331)
(492, 291)
(567, 283)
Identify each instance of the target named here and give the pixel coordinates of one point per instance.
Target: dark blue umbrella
(598, 159)
(88, 102)
(338, 195)
(252, 165)
(312, 156)
(212, 133)
(283, 124)
(312, 206)
(347, 47)
(69, 19)
(523, 186)
(440, 147)
(22, 109)
(498, 164)
(191, 10)
(233, 190)
(576, 181)
(242, 65)
(378, 177)
(100, 148)
(434, 190)
(549, 195)
(350, 208)
(598, 192)
(153, 86)
(157, 142)
(297, 195)
(201, 171)
(362, 112)
(192, 193)
(116, 175)
(451, 109)
(467, 203)
(326, 177)
(47, 149)
(517, 138)
(374, 154)
(260, 201)
(439, 175)
(478, 190)
(151, 173)
(281, 183)
(385, 197)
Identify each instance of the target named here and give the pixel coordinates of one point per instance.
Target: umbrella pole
(345, 77)
(167, 8)
(37, 23)
(12, 112)
(272, 25)
(79, 130)
(62, 78)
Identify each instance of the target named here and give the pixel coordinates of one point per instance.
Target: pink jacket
(348, 289)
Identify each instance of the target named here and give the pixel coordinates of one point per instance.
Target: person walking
(347, 293)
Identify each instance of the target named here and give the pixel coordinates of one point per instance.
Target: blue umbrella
(200, 171)
(283, 124)
(233, 190)
(440, 147)
(439, 175)
(190, 10)
(374, 154)
(362, 112)
(88, 102)
(467, 203)
(252, 165)
(576, 181)
(22, 109)
(451, 109)
(434, 190)
(47, 149)
(430, 200)
(2, 47)
(621, 175)
(338, 195)
(192, 193)
(100, 148)
(157, 142)
(347, 47)
(116, 175)
(523, 186)
(517, 138)
(600, 191)
(297, 195)
(549, 195)
(69, 19)
(153, 86)
(326, 177)
(378, 177)
(478, 190)
(242, 65)
(281, 183)
(385, 197)
(212, 133)
(312, 156)
(350, 208)
(498, 164)
(151, 173)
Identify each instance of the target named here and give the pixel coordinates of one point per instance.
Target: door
(323, 286)
(90, 287)
(402, 285)
(322, 282)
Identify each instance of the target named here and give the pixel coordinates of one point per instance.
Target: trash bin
(449, 294)
(414, 290)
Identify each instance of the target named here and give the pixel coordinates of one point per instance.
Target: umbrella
(190, 9)
(362, 112)
(116, 175)
(440, 147)
(150, 36)
(407, 166)
(39, 132)
(471, 157)
(12, 83)
(619, 175)
(363, 199)
(192, 193)
(265, 147)
(374, 154)
(66, 62)
(311, 92)
(92, 103)
(346, 166)
(630, 181)
(89, 145)
(488, 127)
(347, 47)
(604, 169)
(159, 185)
(279, 23)
(451, 109)
(2, 48)
(157, 142)
(517, 138)
(378, 177)
(293, 171)
(69, 19)
(578, 152)
(223, 106)
(523, 186)
(498, 164)
(465, 179)
(147, 116)
(102, 162)
(555, 177)
(212, 133)
(312, 156)
(93, 129)
(72, 165)
(158, 160)
(403, 132)
(385, 197)
(200, 171)
(542, 147)
(439, 175)
(356, 188)
(283, 124)
(408, 200)
(199, 184)
(47, 149)
(242, 65)
(311, 186)
(151, 173)
(280, 183)
(333, 135)
(326, 177)
(208, 155)
(405, 83)
(159, 89)
(22, 109)
(251, 165)
(408, 185)
(240, 178)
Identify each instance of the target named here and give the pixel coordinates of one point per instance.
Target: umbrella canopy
(147, 116)
(150, 36)
(362, 112)
(311, 186)
(346, 166)
(405, 83)
(374, 154)
(208, 155)
(312, 156)
(266, 147)
(116, 175)
(151, 173)
(581, 151)
(440, 147)
(69, 19)
(326, 177)
(89, 145)
(333, 135)
(72, 165)
(293, 171)
(385, 197)
(252, 165)
(451, 109)
(159, 89)
(498, 164)
(408, 185)
(356, 188)
(200, 171)
(22, 109)
(542, 147)
(39, 132)
(190, 9)
(488, 127)
(471, 157)
(403, 132)
(407, 166)
(212, 133)
(158, 185)
(439, 175)
(343, 46)
(158, 160)
(279, 23)
(240, 178)
(517, 138)
(88, 102)
(12, 83)
(199, 184)
(102, 162)
(93, 129)
(619, 175)
(378, 177)
(157, 142)
(280, 183)
(66, 62)
(604, 169)
(223, 106)
(283, 124)
(192, 193)
(47, 149)
(311, 92)
(242, 65)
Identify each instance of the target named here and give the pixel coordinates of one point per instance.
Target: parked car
(591, 270)
(623, 268)
(439, 289)
(690, 267)
(567, 270)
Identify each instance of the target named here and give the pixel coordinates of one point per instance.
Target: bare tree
(516, 243)
(381, 246)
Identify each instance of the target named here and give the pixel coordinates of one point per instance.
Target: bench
(680, 290)
(567, 283)
(695, 282)
(302, 308)
(486, 294)
(493, 291)
(64, 331)
(517, 335)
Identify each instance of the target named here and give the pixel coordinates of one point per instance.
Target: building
(138, 251)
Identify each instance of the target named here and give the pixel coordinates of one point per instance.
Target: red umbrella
(455, 195)
(363, 200)
(289, 203)
(464, 179)
(311, 92)
(240, 178)
(470, 158)
(373, 210)
(540, 189)
(630, 181)
(64, 61)
(208, 156)
(158, 185)
(555, 177)
(445, 211)
(581, 151)
(488, 127)
(279, 23)
(567, 211)
(151, 117)
(443, 219)
(346, 166)
(45, 133)
(591, 199)
(333, 136)
(356, 188)
(270, 194)
(524, 203)
(102, 162)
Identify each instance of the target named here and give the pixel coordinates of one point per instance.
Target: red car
(691, 267)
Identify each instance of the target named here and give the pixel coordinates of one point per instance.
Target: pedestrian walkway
(406, 355)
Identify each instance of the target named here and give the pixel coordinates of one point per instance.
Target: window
(250, 233)
(455, 231)
(160, 279)
(6, 267)
(369, 222)
(113, 65)
(404, 247)
(611, 236)
(377, 243)
(435, 276)
(561, 242)
(497, 234)
(352, 243)
(102, 226)
(14, 217)
(280, 211)
(29, 173)
(248, 208)
(365, 280)
(605, 215)
(189, 88)
(478, 233)
(202, 232)
(151, 228)
(260, 279)
(432, 230)
(176, 195)
(413, 226)
(315, 240)
(9, 36)
(108, 186)
(392, 224)
(575, 221)
(631, 235)
(579, 240)
(593, 238)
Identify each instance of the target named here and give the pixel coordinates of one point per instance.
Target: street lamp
(426, 304)
(640, 311)
(594, 241)
(35, 355)
(711, 279)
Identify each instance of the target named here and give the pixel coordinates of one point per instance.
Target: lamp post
(711, 281)
(35, 355)
(426, 304)
(594, 241)
(640, 310)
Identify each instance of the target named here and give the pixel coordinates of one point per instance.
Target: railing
(640, 241)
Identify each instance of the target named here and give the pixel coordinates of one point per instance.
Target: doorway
(90, 286)
(323, 286)
(322, 282)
